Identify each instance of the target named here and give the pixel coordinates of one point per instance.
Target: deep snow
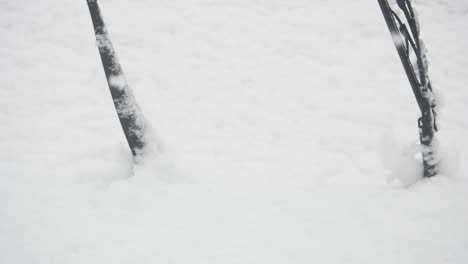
(283, 132)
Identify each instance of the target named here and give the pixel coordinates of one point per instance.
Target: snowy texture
(102, 41)
(118, 81)
(288, 131)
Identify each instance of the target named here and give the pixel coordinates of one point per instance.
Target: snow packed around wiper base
(278, 132)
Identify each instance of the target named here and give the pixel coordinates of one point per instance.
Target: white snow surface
(283, 132)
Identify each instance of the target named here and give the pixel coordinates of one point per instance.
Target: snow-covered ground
(286, 133)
